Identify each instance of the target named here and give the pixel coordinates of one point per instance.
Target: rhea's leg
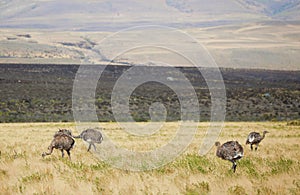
(251, 146)
(69, 154)
(89, 147)
(62, 153)
(94, 146)
(234, 166)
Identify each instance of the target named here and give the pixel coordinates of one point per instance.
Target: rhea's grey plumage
(91, 136)
(255, 138)
(231, 151)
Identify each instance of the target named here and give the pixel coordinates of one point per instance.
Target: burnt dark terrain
(43, 93)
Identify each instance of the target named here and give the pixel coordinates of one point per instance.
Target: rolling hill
(238, 33)
(86, 15)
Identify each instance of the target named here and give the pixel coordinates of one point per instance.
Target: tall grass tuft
(13, 155)
(295, 190)
(98, 185)
(78, 166)
(249, 166)
(237, 190)
(264, 190)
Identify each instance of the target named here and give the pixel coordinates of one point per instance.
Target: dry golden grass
(273, 169)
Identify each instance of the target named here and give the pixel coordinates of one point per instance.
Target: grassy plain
(273, 169)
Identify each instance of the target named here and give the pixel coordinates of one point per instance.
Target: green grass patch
(198, 188)
(79, 166)
(99, 166)
(37, 177)
(280, 166)
(249, 166)
(194, 163)
(13, 155)
(169, 168)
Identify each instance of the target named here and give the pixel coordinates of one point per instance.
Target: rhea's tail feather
(78, 136)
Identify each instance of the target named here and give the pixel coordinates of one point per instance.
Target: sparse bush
(249, 99)
(293, 123)
(3, 173)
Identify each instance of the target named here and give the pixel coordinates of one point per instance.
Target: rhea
(91, 136)
(62, 140)
(255, 138)
(231, 151)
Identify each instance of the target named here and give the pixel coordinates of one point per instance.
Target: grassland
(273, 169)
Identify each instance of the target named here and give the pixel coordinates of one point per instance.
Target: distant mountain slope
(84, 14)
(206, 6)
(278, 9)
(134, 10)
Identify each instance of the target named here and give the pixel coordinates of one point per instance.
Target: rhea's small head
(217, 144)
